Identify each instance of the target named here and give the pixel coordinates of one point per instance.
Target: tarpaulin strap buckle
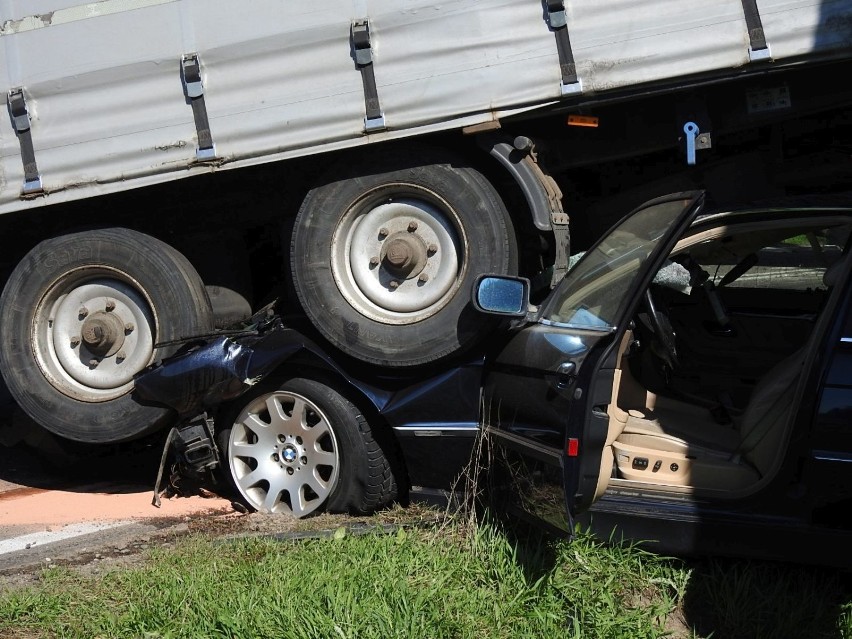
(194, 90)
(558, 21)
(362, 51)
(758, 47)
(20, 115)
(562, 240)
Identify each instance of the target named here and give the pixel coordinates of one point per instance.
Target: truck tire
(81, 315)
(301, 446)
(384, 256)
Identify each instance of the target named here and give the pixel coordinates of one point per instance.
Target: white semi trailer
(168, 164)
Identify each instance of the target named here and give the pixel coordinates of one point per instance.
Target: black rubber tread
(366, 481)
(169, 280)
(378, 488)
(457, 326)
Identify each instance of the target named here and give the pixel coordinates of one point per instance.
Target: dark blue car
(688, 382)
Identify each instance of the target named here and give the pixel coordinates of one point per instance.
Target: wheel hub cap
(404, 255)
(283, 454)
(400, 261)
(289, 454)
(103, 334)
(92, 335)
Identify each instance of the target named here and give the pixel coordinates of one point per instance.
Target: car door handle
(719, 330)
(566, 374)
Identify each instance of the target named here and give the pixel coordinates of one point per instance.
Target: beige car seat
(679, 444)
(670, 442)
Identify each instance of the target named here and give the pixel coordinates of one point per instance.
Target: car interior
(706, 377)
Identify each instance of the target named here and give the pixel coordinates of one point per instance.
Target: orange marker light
(583, 120)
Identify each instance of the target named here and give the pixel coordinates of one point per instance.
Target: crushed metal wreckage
(205, 373)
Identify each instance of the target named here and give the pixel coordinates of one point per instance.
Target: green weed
(456, 581)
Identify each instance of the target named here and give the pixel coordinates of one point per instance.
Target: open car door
(547, 390)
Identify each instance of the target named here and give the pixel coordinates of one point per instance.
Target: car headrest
(832, 274)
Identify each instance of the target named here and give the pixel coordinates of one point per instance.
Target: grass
(456, 581)
(766, 600)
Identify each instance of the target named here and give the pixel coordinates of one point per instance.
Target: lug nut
(374, 261)
(120, 357)
(129, 327)
(289, 470)
(383, 232)
(75, 342)
(110, 306)
(83, 311)
(423, 278)
(275, 457)
(394, 285)
(432, 249)
(412, 226)
(93, 363)
(304, 460)
(282, 439)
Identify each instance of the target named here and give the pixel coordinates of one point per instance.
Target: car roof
(768, 213)
(830, 203)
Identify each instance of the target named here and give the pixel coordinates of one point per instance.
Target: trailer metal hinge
(758, 47)
(362, 48)
(20, 115)
(558, 21)
(194, 90)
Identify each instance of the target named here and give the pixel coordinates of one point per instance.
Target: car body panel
(435, 437)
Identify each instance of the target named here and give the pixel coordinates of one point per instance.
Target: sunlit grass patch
(412, 583)
(461, 579)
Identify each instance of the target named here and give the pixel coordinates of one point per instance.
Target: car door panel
(527, 392)
(527, 404)
(828, 472)
(546, 392)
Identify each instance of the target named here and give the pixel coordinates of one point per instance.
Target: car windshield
(593, 293)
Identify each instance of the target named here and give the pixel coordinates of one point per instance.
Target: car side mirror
(502, 295)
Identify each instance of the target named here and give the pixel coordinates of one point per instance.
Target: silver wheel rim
(92, 332)
(283, 454)
(398, 254)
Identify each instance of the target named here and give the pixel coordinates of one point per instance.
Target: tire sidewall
(166, 280)
(456, 325)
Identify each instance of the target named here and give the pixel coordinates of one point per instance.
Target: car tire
(279, 463)
(82, 314)
(383, 256)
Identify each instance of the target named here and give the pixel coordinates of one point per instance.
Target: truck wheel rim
(283, 454)
(92, 332)
(398, 254)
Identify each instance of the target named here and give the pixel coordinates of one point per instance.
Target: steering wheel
(664, 334)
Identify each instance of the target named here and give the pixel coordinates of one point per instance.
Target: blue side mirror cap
(502, 295)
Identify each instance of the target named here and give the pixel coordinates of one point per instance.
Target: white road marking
(45, 537)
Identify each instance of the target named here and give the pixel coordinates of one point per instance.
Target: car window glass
(593, 293)
(786, 259)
